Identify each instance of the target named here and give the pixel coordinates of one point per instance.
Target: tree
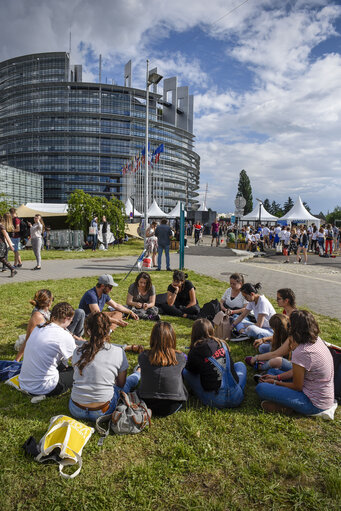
(288, 205)
(5, 205)
(267, 205)
(82, 207)
(245, 190)
(306, 207)
(334, 215)
(275, 209)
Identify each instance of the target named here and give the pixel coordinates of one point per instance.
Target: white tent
(175, 213)
(203, 207)
(40, 208)
(129, 208)
(298, 213)
(155, 212)
(262, 215)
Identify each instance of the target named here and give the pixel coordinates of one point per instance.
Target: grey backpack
(131, 416)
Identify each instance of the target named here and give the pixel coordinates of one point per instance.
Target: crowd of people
(294, 368)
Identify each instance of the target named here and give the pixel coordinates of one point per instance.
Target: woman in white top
(36, 232)
(262, 309)
(152, 245)
(232, 302)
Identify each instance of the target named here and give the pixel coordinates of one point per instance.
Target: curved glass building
(80, 135)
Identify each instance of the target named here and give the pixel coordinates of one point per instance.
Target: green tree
(267, 205)
(276, 209)
(5, 204)
(288, 205)
(334, 215)
(245, 190)
(306, 207)
(82, 207)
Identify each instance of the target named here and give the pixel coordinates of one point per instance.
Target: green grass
(198, 459)
(130, 248)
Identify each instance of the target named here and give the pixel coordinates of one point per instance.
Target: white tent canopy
(129, 208)
(298, 213)
(175, 213)
(155, 212)
(262, 216)
(203, 207)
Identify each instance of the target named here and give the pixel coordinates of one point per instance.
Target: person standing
(4, 241)
(94, 225)
(36, 233)
(215, 232)
(105, 232)
(15, 236)
(163, 233)
(197, 232)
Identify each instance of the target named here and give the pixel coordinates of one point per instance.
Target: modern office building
(20, 186)
(80, 135)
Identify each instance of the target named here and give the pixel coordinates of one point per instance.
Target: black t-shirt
(183, 297)
(198, 363)
(104, 227)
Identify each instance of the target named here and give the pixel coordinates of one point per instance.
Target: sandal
(134, 348)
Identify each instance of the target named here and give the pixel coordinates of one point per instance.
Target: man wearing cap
(94, 300)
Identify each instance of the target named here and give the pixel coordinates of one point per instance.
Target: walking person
(329, 239)
(163, 233)
(151, 242)
(4, 241)
(215, 232)
(94, 229)
(105, 232)
(303, 245)
(15, 236)
(36, 233)
(197, 232)
(8, 224)
(320, 240)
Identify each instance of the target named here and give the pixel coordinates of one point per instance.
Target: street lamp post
(260, 212)
(155, 78)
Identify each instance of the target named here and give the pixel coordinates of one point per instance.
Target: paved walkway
(317, 285)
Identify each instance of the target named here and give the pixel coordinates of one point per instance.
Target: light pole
(150, 78)
(260, 211)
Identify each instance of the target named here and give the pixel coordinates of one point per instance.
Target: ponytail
(251, 288)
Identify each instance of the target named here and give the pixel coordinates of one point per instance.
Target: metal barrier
(66, 239)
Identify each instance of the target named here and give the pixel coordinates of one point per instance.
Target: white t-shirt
(45, 349)
(278, 230)
(237, 302)
(266, 231)
(96, 383)
(286, 237)
(263, 306)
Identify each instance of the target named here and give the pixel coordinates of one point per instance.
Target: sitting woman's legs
(265, 347)
(289, 398)
(256, 332)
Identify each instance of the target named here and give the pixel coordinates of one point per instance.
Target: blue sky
(266, 79)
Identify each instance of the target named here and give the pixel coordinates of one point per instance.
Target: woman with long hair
(141, 297)
(210, 371)
(100, 372)
(41, 313)
(280, 347)
(36, 233)
(181, 297)
(8, 224)
(161, 385)
(302, 246)
(262, 309)
(47, 350)
(5, 241)
(151, 240)
(308, 388)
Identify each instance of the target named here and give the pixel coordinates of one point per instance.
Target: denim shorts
(15, 243)
(303, 246)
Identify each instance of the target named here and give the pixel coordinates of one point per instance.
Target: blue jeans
(290, 398)
(94, 241)
(255, 331)
(286, 365)
(15, 243)
(265, 347)
(159, 256)
(92, 415)
(230, 394)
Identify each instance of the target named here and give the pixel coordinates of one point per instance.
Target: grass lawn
(197, 459)
(130, 248)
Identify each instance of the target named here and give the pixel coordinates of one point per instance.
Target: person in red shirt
(215, 232)
(15, 237)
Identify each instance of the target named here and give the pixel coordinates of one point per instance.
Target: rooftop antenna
(70, 42)
(100, 69)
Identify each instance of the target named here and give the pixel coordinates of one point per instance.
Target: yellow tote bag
(68, 435)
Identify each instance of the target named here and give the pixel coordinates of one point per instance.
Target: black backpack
(336, 354)
(209, 310)
(24, 229)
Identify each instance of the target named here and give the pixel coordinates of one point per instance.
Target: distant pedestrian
(4, 241)
(163, 233)
(36, 233)
(105, 232)
(94, 225)
(197, 232)
(15, 236)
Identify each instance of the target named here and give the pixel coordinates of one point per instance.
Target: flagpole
(146, 154)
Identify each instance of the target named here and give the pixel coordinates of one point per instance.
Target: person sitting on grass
(141, 298)
(95, 299)
(42, 303)
(285, 298)
(262, 309)
(280, 347)
(210, 371)
(100, 372)
(181, 298)
(48, 348)
(161, 385)
(308, 388)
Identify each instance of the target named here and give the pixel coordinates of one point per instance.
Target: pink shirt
(318, 384)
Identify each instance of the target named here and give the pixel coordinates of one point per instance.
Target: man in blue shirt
(95, 299)
(163, 233)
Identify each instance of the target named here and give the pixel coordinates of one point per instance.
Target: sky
(266, 76)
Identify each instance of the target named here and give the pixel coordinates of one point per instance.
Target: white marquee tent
(203, 207)
(299, 214)
(175, 213)
(155, 212)
(263, 216)
(129, 208)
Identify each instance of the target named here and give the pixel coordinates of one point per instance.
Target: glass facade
(20, 186)
(80, 135)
